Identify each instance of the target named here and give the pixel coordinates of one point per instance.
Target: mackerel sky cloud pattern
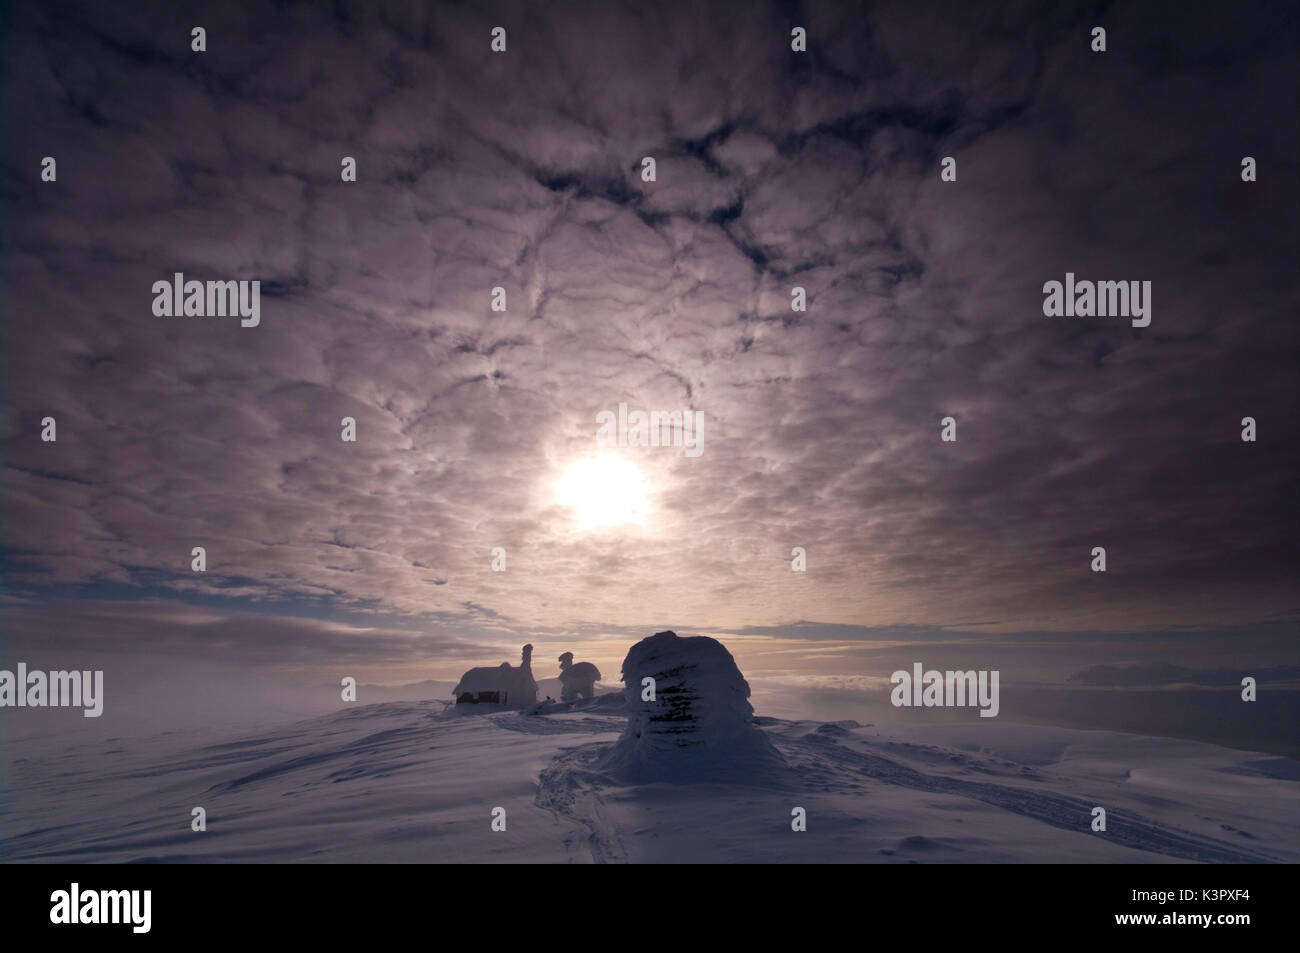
(522, 171)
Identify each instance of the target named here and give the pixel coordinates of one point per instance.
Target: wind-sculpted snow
(410, 782)
(831, 768)
(1050, 808)
(541, 725)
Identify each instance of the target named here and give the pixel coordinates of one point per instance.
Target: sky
(522, 170)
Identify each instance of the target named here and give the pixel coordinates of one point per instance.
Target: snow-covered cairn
(699, 727)
(577, 681)
(503, 685)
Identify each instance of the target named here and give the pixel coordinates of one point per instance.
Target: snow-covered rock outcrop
(699, 727)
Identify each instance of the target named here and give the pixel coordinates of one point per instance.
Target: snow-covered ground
(410, 782)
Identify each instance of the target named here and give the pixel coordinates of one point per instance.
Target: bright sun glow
(604, 491)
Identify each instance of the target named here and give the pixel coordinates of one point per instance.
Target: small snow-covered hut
(503, 685)
(577, 681)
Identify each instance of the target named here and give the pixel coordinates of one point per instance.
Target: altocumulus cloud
(521, 170)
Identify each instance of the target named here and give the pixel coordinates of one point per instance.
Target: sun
(604, 491)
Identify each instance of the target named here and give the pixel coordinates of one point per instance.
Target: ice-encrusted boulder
(700, 727)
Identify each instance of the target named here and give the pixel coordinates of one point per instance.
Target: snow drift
(406, 782)
(700, 725)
